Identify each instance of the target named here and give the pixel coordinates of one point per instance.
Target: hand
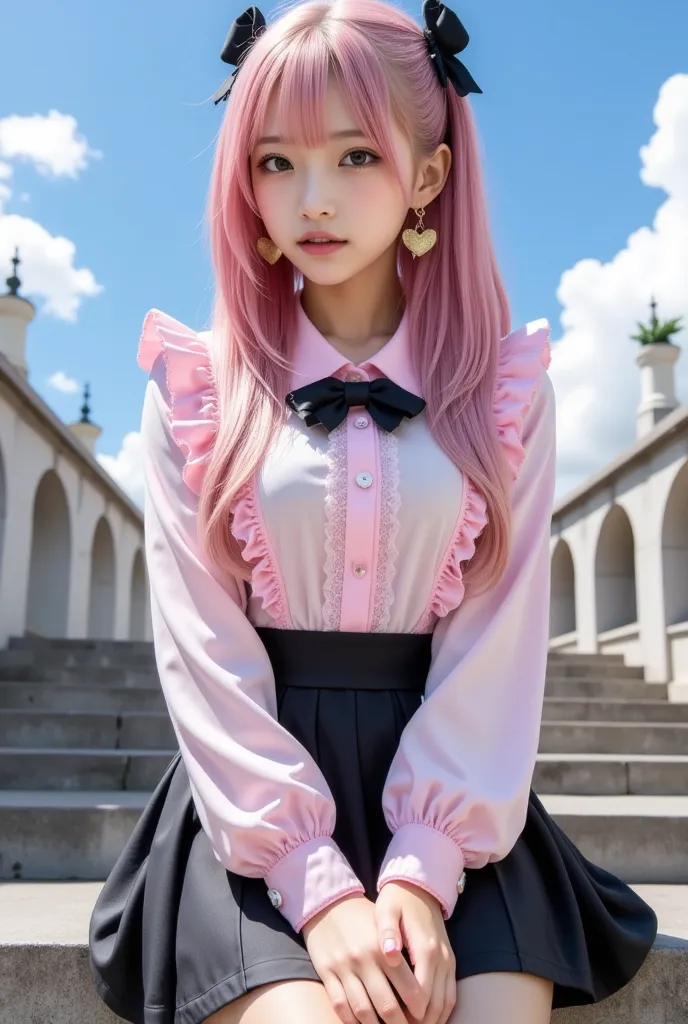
(411, 916)
(344, 946)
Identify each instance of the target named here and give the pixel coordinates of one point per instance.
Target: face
(344, 188)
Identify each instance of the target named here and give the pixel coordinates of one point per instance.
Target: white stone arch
(138, 604)
(49, 569)
(615, 590)
(675, 550)
(563, 600)
(102, 592)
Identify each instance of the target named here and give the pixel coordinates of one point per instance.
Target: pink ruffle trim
(449, 589)
(193, 414)
(194, 418)
(524, 356)
(247, 527)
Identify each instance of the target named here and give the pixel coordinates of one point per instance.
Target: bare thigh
(501, 996)
(289, 1002)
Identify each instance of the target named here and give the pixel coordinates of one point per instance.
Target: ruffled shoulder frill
(523, 357)
(194, 420)
(193, 413)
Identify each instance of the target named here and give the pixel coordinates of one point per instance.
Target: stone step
(49, 697)
(606, 689)
(32, 643)
(80, 675)
(611, 774)
(591, 658)
(78, 835)
(86, 770)
(45, 975)
(41, 658)
(601, 670)
(613, 738)
(601, 710)
(142, 730)
(636, 837)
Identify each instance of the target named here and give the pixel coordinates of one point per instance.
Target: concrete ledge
(45, 975)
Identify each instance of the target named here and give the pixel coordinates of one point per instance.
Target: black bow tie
(329, 399)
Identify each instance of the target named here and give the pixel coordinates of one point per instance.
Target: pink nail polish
(389, 945)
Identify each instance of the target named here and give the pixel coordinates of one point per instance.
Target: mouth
(321, 244)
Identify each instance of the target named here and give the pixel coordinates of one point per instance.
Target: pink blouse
(358, 529)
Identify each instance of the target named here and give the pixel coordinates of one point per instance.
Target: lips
(315, 237)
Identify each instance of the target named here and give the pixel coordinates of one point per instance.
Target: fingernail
(389, 946)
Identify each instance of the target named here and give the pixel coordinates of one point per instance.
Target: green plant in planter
(657, 332)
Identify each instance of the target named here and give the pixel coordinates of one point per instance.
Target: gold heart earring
(268, 250)
(421, 240)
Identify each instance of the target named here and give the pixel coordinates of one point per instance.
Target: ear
(432, 176)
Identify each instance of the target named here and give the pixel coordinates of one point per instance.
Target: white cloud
(47, 271)
(61, 382)
(593, 365)
(127, 466)
(52, 144)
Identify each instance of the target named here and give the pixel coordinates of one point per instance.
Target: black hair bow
(240, 38)
(446, 37)
(329, 399)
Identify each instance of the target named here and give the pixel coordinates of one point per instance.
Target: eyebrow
(347, 133)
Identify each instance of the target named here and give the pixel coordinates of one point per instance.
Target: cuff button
(275, 897)
(461, 884)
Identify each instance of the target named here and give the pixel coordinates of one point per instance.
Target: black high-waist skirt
(174, 936)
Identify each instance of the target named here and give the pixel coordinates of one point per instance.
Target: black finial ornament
(446, 36)
(653, 307)
(240, 38)
(85, 408)
(13, 282)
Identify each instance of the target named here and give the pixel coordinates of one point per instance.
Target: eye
(262, 164)
(365, 152)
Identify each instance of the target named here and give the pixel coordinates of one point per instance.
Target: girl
(349, 484)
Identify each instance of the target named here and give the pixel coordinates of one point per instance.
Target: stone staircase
(84, 738)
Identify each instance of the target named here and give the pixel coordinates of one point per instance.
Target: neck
(360, 315)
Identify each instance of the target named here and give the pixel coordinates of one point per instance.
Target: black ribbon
(240, 38)
(446, 36)
(329, 399)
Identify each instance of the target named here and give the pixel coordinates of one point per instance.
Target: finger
(426, 953)
(389, 933)
(382, 995)
(360, 1004)
(449, 993)
(338, 999)
(406, 984)
(436, 1005)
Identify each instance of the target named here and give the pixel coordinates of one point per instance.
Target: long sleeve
(457, 791)
(262, 800)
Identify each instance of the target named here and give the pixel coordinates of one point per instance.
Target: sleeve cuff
(428, 858)
(309, 878)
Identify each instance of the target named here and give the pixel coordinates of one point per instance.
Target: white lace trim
(335, 526)
(390, 503)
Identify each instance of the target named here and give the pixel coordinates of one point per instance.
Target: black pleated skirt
(174, 936)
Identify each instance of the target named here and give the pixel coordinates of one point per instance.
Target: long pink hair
(455, 298)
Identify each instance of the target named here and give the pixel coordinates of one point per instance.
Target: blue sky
(569, 93)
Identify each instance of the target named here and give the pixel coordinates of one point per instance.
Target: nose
(316, 199)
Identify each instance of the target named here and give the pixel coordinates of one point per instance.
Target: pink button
(361, 421)
(359, 571)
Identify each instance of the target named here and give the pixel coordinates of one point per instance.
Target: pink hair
(455, 299)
